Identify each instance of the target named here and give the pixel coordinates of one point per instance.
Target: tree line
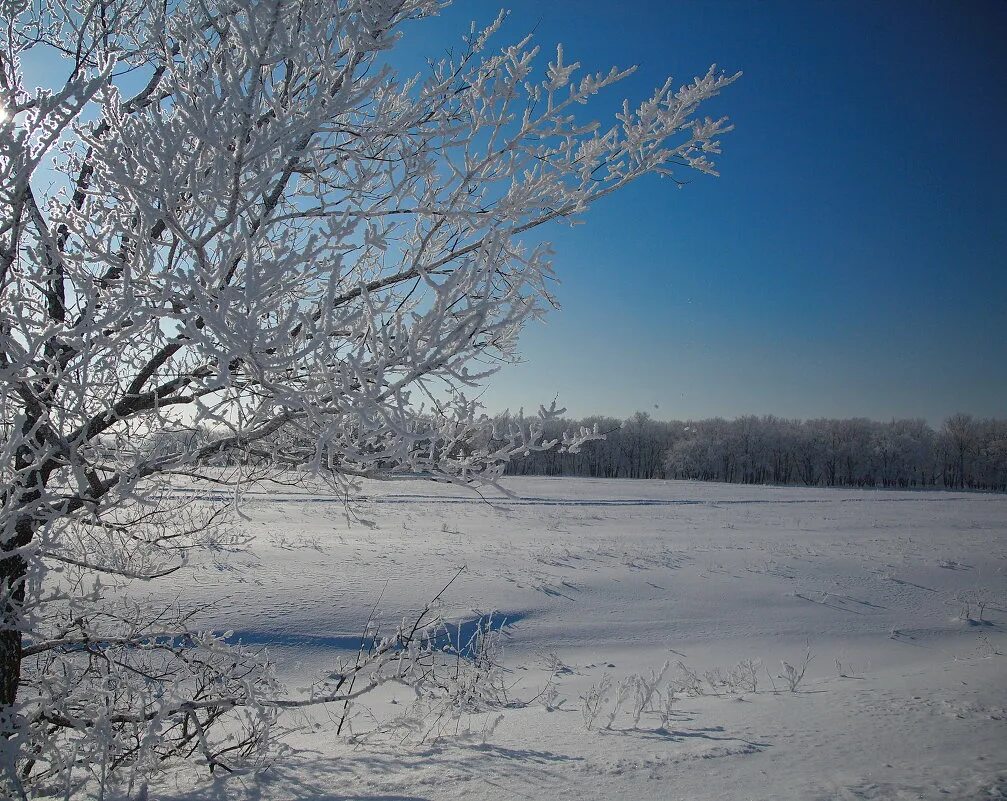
(964, 453)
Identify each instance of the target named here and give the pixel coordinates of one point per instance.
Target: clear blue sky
(852, 258)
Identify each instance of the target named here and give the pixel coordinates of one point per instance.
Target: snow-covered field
(903, 697)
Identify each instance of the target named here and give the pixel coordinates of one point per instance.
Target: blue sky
(851, 259)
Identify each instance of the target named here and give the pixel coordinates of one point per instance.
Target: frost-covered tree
(760, 450)
(234, 241)
(961, 437)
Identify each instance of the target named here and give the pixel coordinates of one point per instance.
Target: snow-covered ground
(903, 698)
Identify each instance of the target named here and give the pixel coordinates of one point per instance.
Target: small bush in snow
(595, 700)
(976, 600)
(793, 675)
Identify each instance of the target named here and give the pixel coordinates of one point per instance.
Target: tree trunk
(12, 574)
(12, 590)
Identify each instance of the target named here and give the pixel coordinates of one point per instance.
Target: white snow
(617, 577)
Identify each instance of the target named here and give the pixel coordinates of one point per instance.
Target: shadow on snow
(458, 636)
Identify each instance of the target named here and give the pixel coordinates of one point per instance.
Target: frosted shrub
(689, 681)
(456, 683)
(595, 700)
(647, 690)
(845, 670)
(478, 679)
(715, 680)
(620, 699)
(745, 676)
(986, 647)
(667, 700)
(976, 599)
(657, 694)
(549, 695)
(793, 675)
(632, 698)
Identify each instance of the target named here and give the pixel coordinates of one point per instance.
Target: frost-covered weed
(667, 700)
(845, 670)
(793, 675)
(689, 680)
(715, 680)
(549, 696)
(646, 690)
(745, 676)
(986, 648)
(977, 599)
(460, 691)
(596, 698)
(657, 694)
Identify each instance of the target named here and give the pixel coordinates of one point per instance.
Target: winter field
(905, 695)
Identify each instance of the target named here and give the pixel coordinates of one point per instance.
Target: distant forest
(965, 453)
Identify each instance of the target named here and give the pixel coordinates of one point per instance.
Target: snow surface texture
(906, 696)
